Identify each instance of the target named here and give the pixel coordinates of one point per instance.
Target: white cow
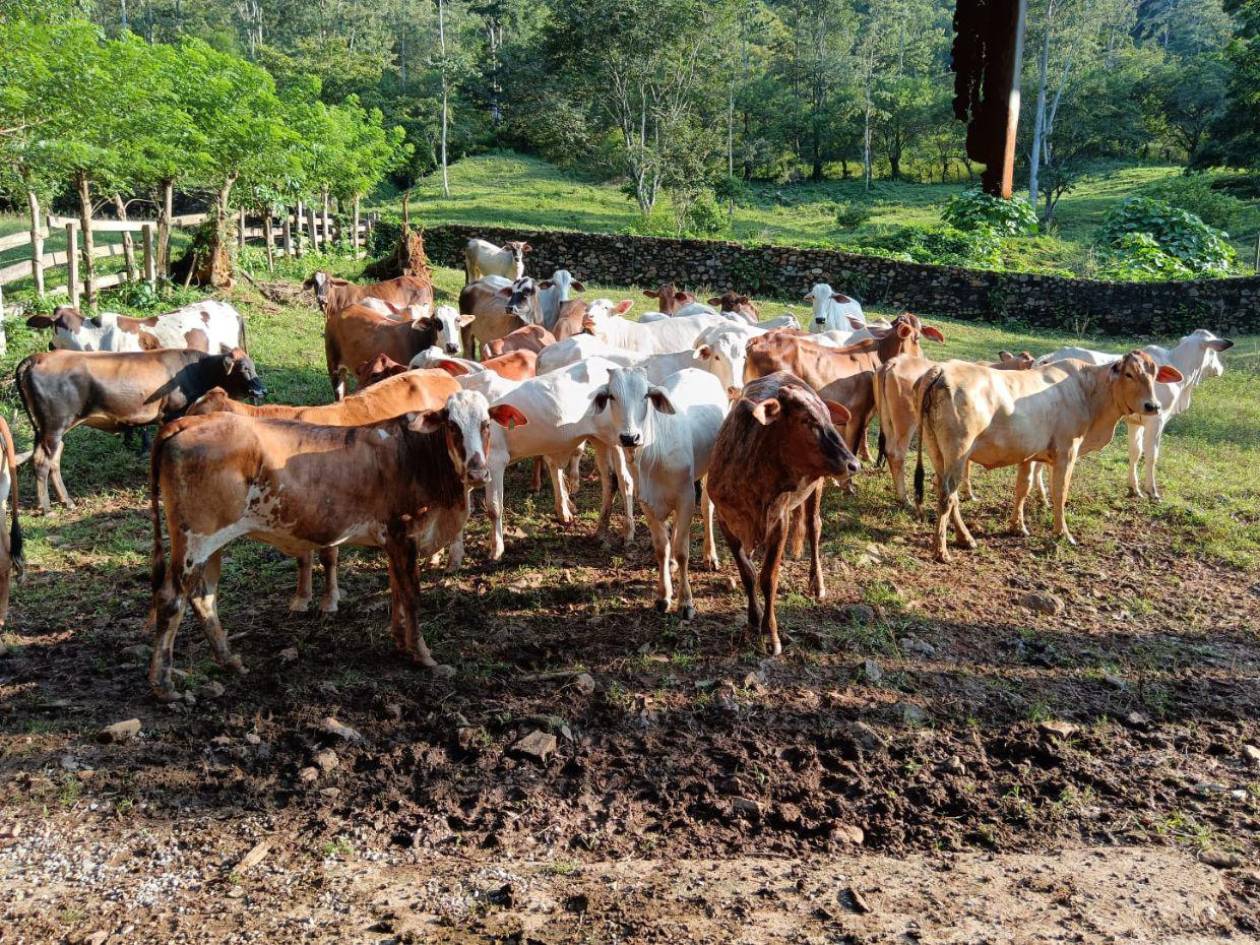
(1196, 356)
(561, 423)
(482, 258)
(604, 320)
(833, 310)
(579, 348)
(210, 325)
(471, 375)
(668, 431)
(537, 302)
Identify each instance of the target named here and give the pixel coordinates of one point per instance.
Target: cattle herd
(692, 405)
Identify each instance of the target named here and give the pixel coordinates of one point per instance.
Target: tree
(1236, 132)
(1188, 98)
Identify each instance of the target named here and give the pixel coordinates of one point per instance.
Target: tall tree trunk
(37, 242)
(129, 249)
(220, 261)
(269, 237)
(166, 208)
(325, 233)
(1039, 119)
(446, 181)
(866, 139)
(83, 184)
(354, 228)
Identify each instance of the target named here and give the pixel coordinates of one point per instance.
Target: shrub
(1195, 194)
(942, 245)
(1138, 257)
(974, 208)
(704, 217)
(1201, 250)
(849, 215)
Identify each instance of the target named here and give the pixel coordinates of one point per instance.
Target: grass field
(921, 718)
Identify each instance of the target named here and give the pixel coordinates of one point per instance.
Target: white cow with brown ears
(482, 258)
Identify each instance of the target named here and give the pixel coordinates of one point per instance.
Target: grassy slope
(518, 191)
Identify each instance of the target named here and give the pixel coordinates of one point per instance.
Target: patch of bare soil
(1026, 746)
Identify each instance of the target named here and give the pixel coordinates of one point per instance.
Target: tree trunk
(269, 238)
(37, 243)
(354, 228)
(1039, 120)
(220, 261)
(894, 163)
(325, 227)
(129, 249)
(166, 206)
(446, 181)
(84, 185)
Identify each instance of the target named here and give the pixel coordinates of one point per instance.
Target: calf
(668, 432)
(1051, 414)
(208, 326)
(738, 304)
(833, 310)
(358, 334)
(579, 348)
(415, 392)
(333, 295)
(482, 258)
(401, 485)
(12, 561)
(604, 320)
(669, 298)
(526, 338)
(62, 389)
(376, 370)
(1196, 357)
(773, 452)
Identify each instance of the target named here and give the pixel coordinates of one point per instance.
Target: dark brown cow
(739, 304)
(335, 294)
(376, 370)
(358, 334)
(401, 485)
(115, 391)
(416, 392)
(669, 297)
(11, 560)
(774, 450)
(526, 338)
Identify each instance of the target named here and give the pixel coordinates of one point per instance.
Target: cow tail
(158, 566)
(15, 528)
(882, 454)
(924, 406)
(21, 379)
(244, 339)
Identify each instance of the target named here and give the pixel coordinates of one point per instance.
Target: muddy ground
(941, 755)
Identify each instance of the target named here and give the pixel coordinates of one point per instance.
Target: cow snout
(257, 392)
(853, 466)
(1150, 407)
(452, 348)
(631, 440)
(820, 321)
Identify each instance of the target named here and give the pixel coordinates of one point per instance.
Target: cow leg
(560, 492)
(42, 460)
(624, 471)
(659, 531)
(1135, 431)
(964, 489)
(168, 613)
(960, 527)
(535, 483)
(1023, 483)
(1041, 484)
(301, 598)
(1059, 487)
(813, 520)
(203, 603)
(59, 483)
(1153, 434)
(403, 562)
(575, 471)
(770, 567)
(494, 508)
(746, 574)
(682, 550)
(6, 574)
(332, 593)
(706, 519)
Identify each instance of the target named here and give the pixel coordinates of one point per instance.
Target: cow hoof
(299, 605)
(1020, 531)
(166, 695)
(328, 607)
(1154, 496)
(444, 670)
(944, 557)
(687, 612)
(712, 563)
(662, 606)
(234, 664)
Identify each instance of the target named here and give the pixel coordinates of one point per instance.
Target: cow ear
(1167, 374)
(767, 411)
(808, 297)
(577, 286)
(423, 323)
(905, 330)
(507, 416)
(733, 394)
(427, 422)
(547, 284)
(855, 323)
(841, 298)
(931, 331)
(660, 400)
(622, 307)
(465, 318)
(453, 368)
(506, 292)
(525, 248)
(703, 353)
(717, 301)
(685, 297)
(601, 400)
(651, 293)
(39, 321)
(1216, 344)
(229, 363)
(1005, 356)
(840, 414)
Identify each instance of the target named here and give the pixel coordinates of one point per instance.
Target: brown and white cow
(209, 326)
(739, 304)
(11, 559)
(358, 334)
(333, 294)
(497, 308)
(482, 258)
(115, 391)
(415, 392)
(773, 452)
(401, 485)
(526, 338)
(1050, 414)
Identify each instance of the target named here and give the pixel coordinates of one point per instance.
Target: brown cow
(416, 392)
(526, 338)
(1052, 414)
(845, 375)
(772, 454)
(358, 334)
(669, 297)
(11, 559)
(333, 294)
(376, 370)
(401, 485)
(116, 391)
(739, 304)
(1013, 362)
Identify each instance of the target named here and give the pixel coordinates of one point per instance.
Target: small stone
(330, 792)
(871, 671)
(211, 690)
(746, 807)
(867, 736)
(1221, 859)
(536, 746)
(252, 739)
(255, 856)
(1251, 753)
(327, 689)
(911, 714)
(585, 683)
(327, 760)
(858, 901)
(1047, 605)
(849, 833)
(288, 654)
(954, 765)
(858, 613)
(341, 730)
(393, 712)
(1137, 720)
(917, 647)
(1058, 727)
(308, 775)
(96, 938)
(1115, 682)
(138, 651)
(119, 731)
(1239, 795)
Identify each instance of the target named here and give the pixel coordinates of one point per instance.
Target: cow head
(1015, 362)
(595, 319)
(377, 369)
(319, 282)
(1133, 379)
(630, 398)
(518, 250)
(723, 353)
(68, 325)
(734, 302)
(446, 324)
(240, 376)
(466, 420)
(669, 297)
(811, 444)
(1205, 352)
(909, 329)
(522, 299)
(563, 280)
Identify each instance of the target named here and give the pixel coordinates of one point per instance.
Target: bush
(1137, 257)
(942, 245)
(850, 215)
(975, 208)
(1200, 249)
(704, 217)
(1195, 194)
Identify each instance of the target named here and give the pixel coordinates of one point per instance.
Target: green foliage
(1202, 250)
(850, 214)
(704, 217)
(1195, 194)
(976, 209)
(1138, 257)
(979, 247)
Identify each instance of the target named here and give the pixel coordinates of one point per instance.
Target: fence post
(310, 216)
(4, 338)
(297, 229)
(354, 230)
(288, 235)
(150, 261)
(72, 262)
(240, 228)
(37, 243)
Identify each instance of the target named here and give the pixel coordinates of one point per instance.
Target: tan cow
(335, 294)
(358, 334)
(1050, 414)
(526, 338)
(401, 485)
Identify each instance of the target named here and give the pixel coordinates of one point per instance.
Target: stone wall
(1077, 305)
